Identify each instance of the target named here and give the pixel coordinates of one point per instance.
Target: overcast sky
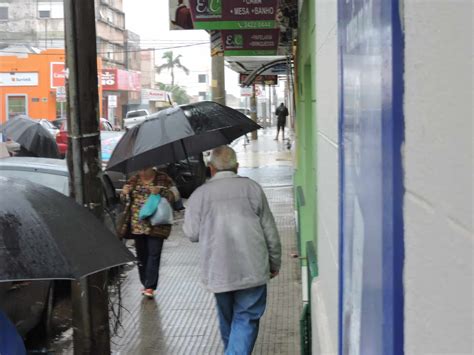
(150, 19)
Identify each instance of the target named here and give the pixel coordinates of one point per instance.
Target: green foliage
(180, 96)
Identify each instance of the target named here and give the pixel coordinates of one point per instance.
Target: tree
(180, 96)
(171, 64)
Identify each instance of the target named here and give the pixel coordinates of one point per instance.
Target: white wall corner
(321, 331)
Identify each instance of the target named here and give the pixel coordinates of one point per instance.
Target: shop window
(49, 9)
(16, 105)
(3, 13)
(44, 14)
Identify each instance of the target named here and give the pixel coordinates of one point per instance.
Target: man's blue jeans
(239, 316)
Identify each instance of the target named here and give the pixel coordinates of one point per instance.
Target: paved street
(182, 318)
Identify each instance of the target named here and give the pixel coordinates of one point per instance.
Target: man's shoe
(148, 293)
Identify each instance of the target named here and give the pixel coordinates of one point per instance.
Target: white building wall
(438, 163)
(325, 289)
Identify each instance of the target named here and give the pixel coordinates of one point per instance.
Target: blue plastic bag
(163, 214)
(10, 340)
(149, 207)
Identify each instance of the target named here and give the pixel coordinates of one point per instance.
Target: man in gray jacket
(239, 245)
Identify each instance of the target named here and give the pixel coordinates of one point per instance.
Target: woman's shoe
(148, 293)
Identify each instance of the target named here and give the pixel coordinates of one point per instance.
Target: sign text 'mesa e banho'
(233, 14)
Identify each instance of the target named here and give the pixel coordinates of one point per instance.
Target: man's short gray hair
(223, 158)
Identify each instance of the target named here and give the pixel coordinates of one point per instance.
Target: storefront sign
(61, 94)
(114, 79)
(246, 91)
(112, 101)
(58, 75)
(18, 79)
(261, 79)
(250, 43)
(223, 14)
(154, 95)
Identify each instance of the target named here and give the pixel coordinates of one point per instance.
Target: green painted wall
(305, 175)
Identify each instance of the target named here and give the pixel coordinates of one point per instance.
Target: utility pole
(89, 295)
(218, 79)
(253, 110)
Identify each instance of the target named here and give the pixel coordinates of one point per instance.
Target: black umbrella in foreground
(174, 134)
(45, 235)
(32, 136)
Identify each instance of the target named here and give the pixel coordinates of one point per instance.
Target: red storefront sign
(261, 79)
(114, 79)
(57, 75)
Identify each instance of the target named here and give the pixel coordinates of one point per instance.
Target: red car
(61, 137)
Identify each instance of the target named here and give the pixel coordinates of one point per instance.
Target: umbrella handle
(187, 157)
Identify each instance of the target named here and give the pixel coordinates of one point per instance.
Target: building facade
(383, 195)
(33, 84)
(36, 23)
(40, 24)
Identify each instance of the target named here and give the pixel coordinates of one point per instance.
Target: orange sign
(58, 75)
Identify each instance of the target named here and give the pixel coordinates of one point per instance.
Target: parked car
(135, 117)
(61, 137)
(29, 304)
(49, 126)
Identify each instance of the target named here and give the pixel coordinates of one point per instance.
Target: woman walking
(148, 239)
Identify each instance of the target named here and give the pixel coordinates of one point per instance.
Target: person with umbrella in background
(34, 139)
(148, 238)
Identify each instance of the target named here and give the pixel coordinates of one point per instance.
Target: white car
(132, 118)
(50, 127)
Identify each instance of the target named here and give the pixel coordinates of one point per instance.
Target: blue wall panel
(371, 134)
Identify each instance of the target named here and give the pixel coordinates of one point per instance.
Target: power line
(113, 52)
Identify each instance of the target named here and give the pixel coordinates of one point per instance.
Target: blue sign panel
(371, 135)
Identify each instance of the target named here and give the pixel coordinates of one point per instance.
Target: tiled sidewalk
(182, 318)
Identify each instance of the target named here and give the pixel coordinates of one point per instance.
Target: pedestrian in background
(240, 248)
(281, 113)
(148, 239)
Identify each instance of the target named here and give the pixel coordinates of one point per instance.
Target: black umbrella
(46, 235)
(32, 136)
(174, 134)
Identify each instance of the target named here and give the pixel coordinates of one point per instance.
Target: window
(3, 13)
(202, 78)
(44, 14)
(50, 9)
(16, 105)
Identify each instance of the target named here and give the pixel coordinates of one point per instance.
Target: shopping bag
(163, 214)
(149, 207)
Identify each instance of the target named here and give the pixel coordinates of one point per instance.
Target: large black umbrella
(32, 136)
(46, 235)
(174, 134)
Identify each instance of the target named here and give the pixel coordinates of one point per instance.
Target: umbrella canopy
(46, 235)
(174, 134)
(32, 136)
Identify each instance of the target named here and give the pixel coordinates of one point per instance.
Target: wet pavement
(182, 318)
